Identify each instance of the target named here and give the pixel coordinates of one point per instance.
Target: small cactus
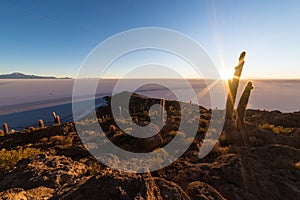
(56, 119)
(233, 87)
(162, 103)
(41, 124)
(5, 128)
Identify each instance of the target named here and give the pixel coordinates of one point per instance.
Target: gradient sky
(54, 37)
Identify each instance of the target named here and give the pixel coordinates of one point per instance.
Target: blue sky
(54, 37)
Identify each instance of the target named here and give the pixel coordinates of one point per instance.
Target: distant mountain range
(18, 75)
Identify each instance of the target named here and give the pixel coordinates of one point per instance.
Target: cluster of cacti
(6, 131)
(233, 123)
(41, 125)
(233, 88)
(56, 119)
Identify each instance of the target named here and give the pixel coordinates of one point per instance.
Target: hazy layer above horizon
(19, 95)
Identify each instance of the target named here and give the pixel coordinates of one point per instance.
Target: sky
(55, 37)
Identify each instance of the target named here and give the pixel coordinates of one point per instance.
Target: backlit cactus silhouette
(234, 127)
(241, 109)
(57, 120)
(233, 87)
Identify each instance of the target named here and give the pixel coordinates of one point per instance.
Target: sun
(226, 73)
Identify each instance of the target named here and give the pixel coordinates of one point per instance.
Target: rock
(202, 191)
(151, 143)
(170, 190)
(116, 185)
(56, 172)
(268, 168)
(21, 194)
(12, 194)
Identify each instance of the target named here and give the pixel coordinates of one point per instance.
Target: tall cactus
(233, 87)
(234, 129)
(241, 109)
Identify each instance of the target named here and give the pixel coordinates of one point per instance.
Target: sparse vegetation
(64, 162)
(276, 129)
(237, 153)
(9, 158)
(61, 141)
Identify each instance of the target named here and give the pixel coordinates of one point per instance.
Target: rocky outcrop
(201, 191)
(252, 174)
(116, 185)
(62, 168)
(54, 172)
(21, 194)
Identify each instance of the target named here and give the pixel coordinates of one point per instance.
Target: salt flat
(24, 102)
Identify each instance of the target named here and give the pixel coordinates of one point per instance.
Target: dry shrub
(61, 141)
(276, 129)
(9, 158)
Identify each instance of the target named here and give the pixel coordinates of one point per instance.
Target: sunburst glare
(226, 73)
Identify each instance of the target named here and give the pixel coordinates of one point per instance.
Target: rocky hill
(52, 162)
(18, 75)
